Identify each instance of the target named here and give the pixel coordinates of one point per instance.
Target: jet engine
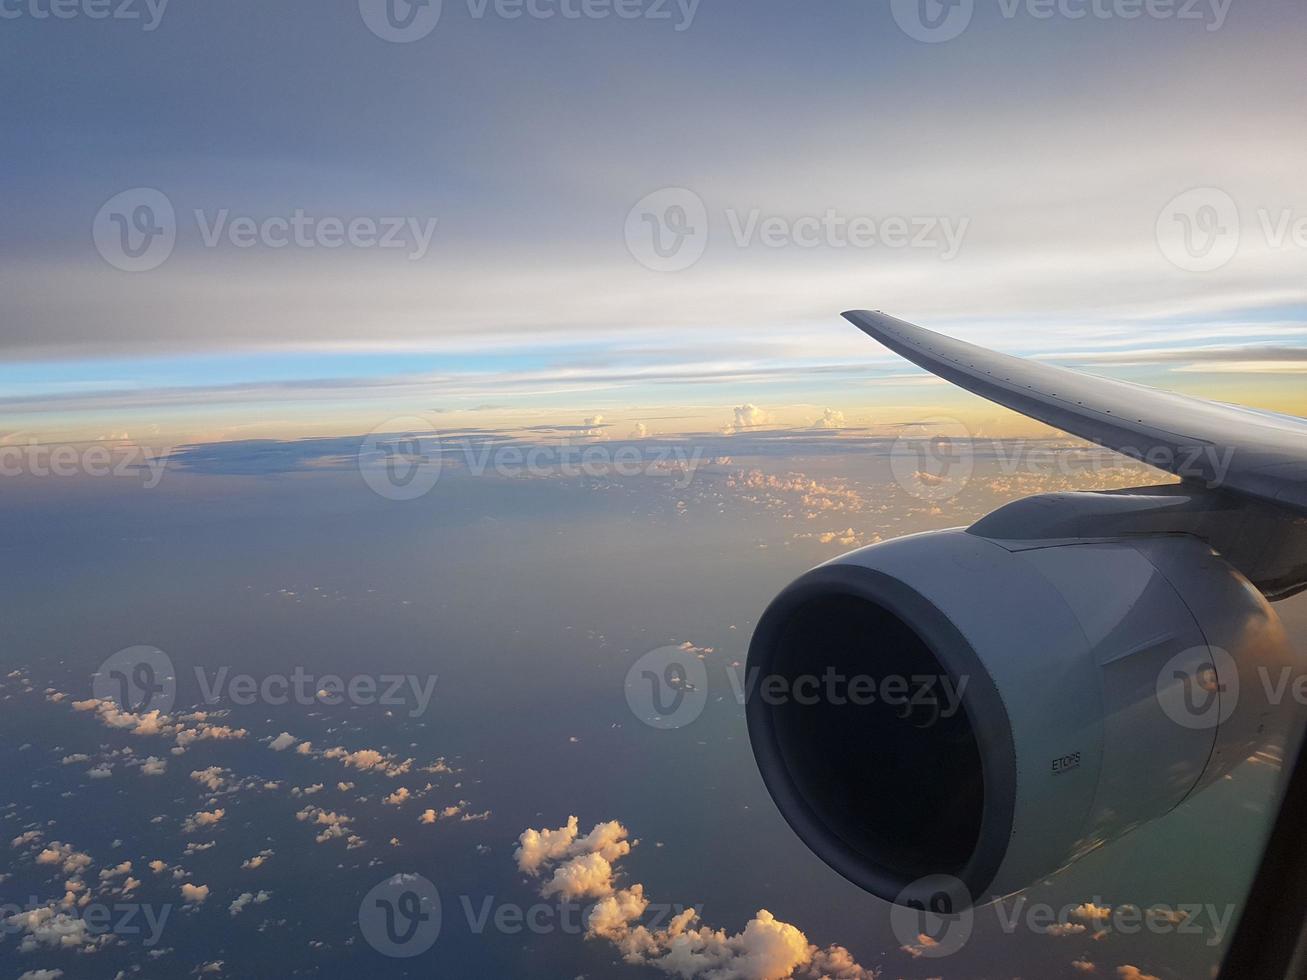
(986, 710)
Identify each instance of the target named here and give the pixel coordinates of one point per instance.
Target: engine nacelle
(950, 707)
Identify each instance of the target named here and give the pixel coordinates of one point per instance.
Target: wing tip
(868, 321)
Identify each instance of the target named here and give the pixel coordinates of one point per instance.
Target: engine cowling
(947, 707)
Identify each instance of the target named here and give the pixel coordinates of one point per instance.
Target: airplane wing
(1258, 454)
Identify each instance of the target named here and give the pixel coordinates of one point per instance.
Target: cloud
(830, 419)
(428, 817)
(118, 871)
(1128, 972)
(282, 742)
(1091, 913)
(49, 927)
(157, 723)
(847, 538)
(71, 861)
(258, 860)
(213, 778)
(461, 811)
(247, 898)
(585, 868)
(748, 416)
(194, 894)
(332, 826)
(204, 818)
(370, 760)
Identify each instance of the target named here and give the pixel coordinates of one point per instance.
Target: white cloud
(369, 760)
(282, 742)
(748, 416)
(585, 868)
(54, 929)
(246, 898)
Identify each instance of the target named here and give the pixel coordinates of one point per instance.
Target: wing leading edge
(1258, 454)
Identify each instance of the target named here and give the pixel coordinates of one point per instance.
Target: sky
(1121, 193)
